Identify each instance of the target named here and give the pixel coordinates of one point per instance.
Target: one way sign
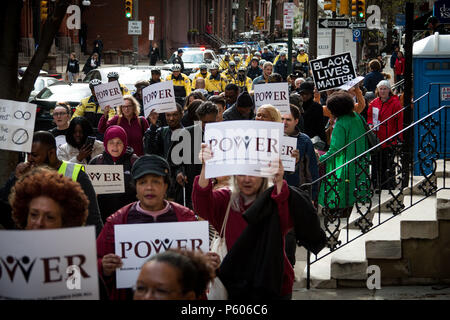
(334, 23)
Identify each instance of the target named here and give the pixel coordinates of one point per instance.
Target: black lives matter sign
(332, 72)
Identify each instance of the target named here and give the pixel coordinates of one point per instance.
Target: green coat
(346, 129)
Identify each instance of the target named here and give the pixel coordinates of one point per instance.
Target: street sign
(358, 25)
(135, 27)
(333, 23)
(258, 22)
(356, 35)
(288, 15)
(400, 20)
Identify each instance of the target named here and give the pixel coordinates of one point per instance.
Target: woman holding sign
(128, 118)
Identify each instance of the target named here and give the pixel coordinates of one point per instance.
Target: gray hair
(236, 193)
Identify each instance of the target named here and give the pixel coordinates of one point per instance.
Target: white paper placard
(136, 243)
(275, 94)
(160, 97)
(35, 264)
(351, 83)
(106, 179)
(16, 125)
(109, 94)
(289, 144)
(243, 147)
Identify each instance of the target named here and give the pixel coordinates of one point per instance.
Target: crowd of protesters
(51, 190)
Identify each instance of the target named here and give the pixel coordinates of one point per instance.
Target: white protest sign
(135, 243)
(351, 83)
(243, 147)
(53, 264)
(160, 97)
(106, 178)
(16, 125)
(332, 72)
(288, 144)
(109, 94)
(275, 94)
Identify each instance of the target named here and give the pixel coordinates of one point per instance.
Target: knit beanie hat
(115, 132)
(244, 100)
(385, 83)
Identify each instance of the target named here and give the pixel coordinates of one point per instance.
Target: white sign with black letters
(288, 144)
(159, 97)
(16, 125)
(58, 264)
(106, 179)
(275, 94)
(136, 243)
(109, 94)
(332, 72)
(243, 147)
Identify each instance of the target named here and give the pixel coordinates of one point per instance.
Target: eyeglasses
(59, 114)
(126, 107)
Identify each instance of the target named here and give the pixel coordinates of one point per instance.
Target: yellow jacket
(181, 85)
(199, 75)
(89, 109)
(247, 83)
(216, 84)
(223, 65)
(303, 58)
(124, 89)
(230, 77)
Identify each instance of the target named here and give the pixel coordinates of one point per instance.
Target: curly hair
(340, 103)
(194, 271)
(44, 181)
(134, 102)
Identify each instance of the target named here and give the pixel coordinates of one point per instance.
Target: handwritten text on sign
(109, 94)
(106, 178)
(159, 97)
(16, 125)
(275, 94)
(332, 72)
(242, 147)
(49, 264)
(136, 243)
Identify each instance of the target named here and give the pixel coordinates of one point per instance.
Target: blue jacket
(371, 80)
(307, 168)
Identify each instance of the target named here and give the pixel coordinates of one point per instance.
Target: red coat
(384, 111)
(399, 68)
(105, 242)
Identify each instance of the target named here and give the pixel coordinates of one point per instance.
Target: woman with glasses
(128, 118)
(61, 117)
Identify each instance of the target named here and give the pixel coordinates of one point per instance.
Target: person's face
(400, 55)
(60, 116)
(95, 57)
(127, 108)
(231, 96)
(112, 79)
(383, 92)
(78, 134)
(254, 63)
(306, 96)
(40, 154)
(160, 281)
(214, 72)
(155, 76)
(44, 213)
(267, 70)
(263, 115)
(209, 118)
(289, 123)
(173, 119)
(283, 58)
(204, 71)
(176, 73)
(244, 111)
(249, 185)
(115, 147)
(150, 191)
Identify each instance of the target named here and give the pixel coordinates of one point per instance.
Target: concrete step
(443, 205)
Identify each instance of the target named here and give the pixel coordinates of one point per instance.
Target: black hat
(244, 100)
(432, 19)
(150, 164)
(180, 51)
(307, 87)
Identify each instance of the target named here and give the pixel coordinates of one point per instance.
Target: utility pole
(333, 37)
(135, 37)
(312, 30)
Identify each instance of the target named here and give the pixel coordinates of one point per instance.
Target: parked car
(193, 58)
(60, 91)
(39, 84)
(102, 73)
(136, 73)
(279, 46)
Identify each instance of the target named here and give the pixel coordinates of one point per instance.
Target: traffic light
(44, 10)
(359, 9)
(128, 9)
(330, 5)
(344, 7)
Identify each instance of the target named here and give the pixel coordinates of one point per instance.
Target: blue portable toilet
(431, 65)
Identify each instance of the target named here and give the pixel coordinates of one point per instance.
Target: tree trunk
(272, 20)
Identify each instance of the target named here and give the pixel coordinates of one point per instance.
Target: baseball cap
(150, 164)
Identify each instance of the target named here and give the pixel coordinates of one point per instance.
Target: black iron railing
(357, 174)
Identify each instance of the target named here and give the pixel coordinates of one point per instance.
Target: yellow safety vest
(70, 170)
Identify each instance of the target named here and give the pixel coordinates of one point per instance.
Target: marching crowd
(261, 219)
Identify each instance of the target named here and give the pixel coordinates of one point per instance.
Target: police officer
(114, 76)
(253, 69)
(242, 81)
(203, 73)
(91, 110)
(216, 82)
(156, 76)
(230, 74)
(225, 62)
(179, 60)
(181, 84)
(281, 66)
